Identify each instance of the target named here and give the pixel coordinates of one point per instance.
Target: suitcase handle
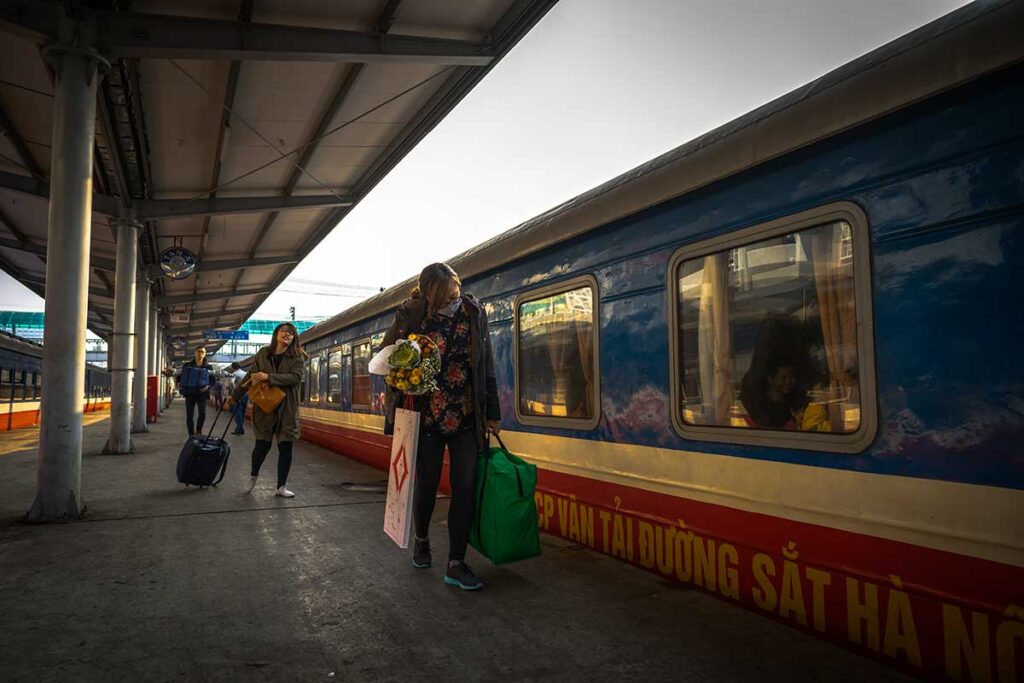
(224, 467)
(225, 434)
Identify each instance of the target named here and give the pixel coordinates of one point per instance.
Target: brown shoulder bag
(266, 396)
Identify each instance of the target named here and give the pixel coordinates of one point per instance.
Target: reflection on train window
(8, 388)
(556, 336)
(334, 377)
(768, 334)
(361, 374)
(314, 379)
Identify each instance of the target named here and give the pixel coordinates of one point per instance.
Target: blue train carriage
(21, 384)
(777, 363)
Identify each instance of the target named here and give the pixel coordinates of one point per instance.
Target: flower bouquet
(410, 365)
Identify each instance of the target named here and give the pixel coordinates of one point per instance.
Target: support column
(153, 343)
(122, 340)
(141, 352)
(163, 364)
(59, 476)
(159, 361)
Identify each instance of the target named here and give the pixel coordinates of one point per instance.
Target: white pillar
(122, 340)
(141, 353)
(59, 477)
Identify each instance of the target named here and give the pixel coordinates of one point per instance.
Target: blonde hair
(433, 285)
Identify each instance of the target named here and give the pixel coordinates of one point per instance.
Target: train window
(314, 379)
(7, 387)
(361, 374)
(557, 357)
(771, 334)
(334, 377)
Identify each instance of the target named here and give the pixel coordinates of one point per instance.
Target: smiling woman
(280, 365)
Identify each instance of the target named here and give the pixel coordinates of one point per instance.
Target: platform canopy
(242, 130)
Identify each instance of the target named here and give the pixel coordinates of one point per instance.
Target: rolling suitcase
(204, 459)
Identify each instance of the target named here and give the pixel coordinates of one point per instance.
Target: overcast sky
(596, 88)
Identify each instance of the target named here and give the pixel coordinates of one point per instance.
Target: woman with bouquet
(459, 411)
(282, 364)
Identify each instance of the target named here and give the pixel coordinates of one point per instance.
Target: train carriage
(21, 384)
(778, 363)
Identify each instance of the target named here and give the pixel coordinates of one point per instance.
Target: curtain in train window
(313, 382)
(334, 378)
(556, 355)
(768, 334)
(361, 374)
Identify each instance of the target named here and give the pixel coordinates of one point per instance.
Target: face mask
(451, 307)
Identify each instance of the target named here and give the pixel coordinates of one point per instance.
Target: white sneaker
(284, 493)
(252, 484)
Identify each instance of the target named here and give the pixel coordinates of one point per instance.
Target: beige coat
(284, 422)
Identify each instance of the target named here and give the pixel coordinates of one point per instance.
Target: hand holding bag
(266, 396)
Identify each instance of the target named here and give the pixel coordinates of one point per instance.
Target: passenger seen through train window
(767, 334)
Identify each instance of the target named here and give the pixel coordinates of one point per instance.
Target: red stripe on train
(930, 612)
(19, 419)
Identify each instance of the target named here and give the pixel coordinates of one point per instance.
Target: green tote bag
(505, 515)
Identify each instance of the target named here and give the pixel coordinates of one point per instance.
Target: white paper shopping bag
(402, 477)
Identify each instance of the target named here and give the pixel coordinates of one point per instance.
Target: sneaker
(459, 574)
(237, 432)
(252, 484)
(421, 553)
(284, 493)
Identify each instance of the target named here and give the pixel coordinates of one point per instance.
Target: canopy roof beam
(216, 315)
(165, 209)
(24, 156)
(140, 35)
(197, 332)
(212, 296)
(37, 188)
(132, 34)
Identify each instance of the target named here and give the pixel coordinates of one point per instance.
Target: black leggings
(462, 454)
(284, 459)
(191, 403)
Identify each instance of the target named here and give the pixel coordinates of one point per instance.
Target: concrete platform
(163, 583)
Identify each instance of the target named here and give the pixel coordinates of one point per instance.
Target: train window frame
(331, 353)
(572, 423)
(314, 358)
(850, 443)
(352, 375)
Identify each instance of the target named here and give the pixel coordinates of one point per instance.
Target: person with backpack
(194, 385)
(458, 415)
(282, 365)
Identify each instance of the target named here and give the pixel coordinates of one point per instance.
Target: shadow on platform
(160, 582)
